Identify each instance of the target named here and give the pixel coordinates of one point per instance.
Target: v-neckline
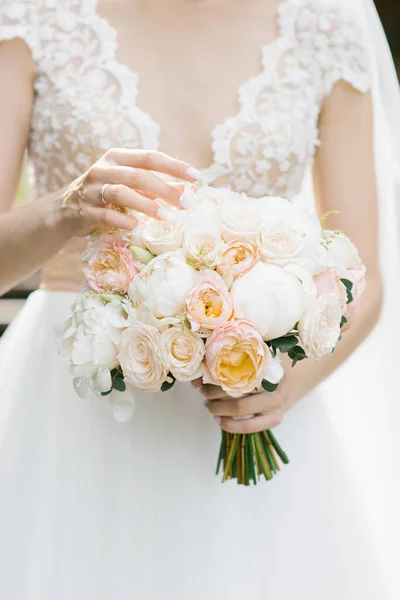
(211, 171)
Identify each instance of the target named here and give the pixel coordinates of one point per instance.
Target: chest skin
(191, 59)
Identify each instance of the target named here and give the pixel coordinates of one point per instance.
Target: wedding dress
(95, 509)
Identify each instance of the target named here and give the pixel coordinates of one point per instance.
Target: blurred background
(389, 11)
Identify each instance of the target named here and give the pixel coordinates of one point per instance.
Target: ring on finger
(102, 192)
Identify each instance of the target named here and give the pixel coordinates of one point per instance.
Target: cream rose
(209, 305)
(271, 298)
(202, 250)
(279, 244)
(238, 360)
(237, 259)
(242, 220)
(319, 327)
(163, 236)
(342, 253)
(163, 285)
(182, 352)
(140, 357)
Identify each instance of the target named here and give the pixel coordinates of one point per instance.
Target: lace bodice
(85, 100)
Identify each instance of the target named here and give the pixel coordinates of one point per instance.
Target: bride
(92, 508)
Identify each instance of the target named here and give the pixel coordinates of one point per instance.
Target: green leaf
(119, 384)
(297, 352)
(106, 393)
(343, 321)
(269, 387)
(286, 343)
(167, 385)
(347, 284)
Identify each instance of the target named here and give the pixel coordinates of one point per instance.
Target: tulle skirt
(95, 509)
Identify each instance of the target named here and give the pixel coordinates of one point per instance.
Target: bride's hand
(268, 408)
(130, 182)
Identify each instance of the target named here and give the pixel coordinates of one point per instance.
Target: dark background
(389, 11)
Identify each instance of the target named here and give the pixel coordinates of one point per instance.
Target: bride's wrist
(59, 215)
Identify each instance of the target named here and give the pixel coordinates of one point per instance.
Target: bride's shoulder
(334, 33)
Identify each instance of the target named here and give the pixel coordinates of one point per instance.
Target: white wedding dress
(95, 509)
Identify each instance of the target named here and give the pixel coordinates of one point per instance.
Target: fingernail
(218, 419)
(205, 401)
(197, 384)
(184, 202)
(162, 214)
(193, 173)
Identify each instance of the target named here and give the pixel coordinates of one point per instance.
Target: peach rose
(209, 304)
(140, 357)
(328, 282)
(111, 267)
(238, 360)
(237, 259)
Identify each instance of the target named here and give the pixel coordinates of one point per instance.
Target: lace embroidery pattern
(86, 100)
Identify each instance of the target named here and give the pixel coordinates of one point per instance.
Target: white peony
(163, 236)
(89, 338)
(319, 327)
(271, 298)
(163, 285)
(140, 357)
(182, 352)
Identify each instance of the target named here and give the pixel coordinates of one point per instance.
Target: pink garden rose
(358, 278)
(238, 360)
(237, 259)
(209, 304)
(111, 267)
(328, 282)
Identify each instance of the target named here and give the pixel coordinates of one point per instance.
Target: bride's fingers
(111, 218)
(241, 407)
(123, 197)
(152, 160)
(213, 392)
(253, 425)
(138, 179)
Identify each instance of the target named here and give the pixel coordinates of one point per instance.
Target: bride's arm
(32, 234)
(345, 181)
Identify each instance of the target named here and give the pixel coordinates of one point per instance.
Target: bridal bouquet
(219, 291)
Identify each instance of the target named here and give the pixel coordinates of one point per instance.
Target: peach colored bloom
(328, 282)
(238, 360)
(209, 304)
(237, 259)
(111, 267)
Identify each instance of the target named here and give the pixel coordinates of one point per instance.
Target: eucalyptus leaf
(347, 283)
(106, 393)
(119, 384)
(284, 344)
(343, 321)
(269, 387)
(167, 385)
